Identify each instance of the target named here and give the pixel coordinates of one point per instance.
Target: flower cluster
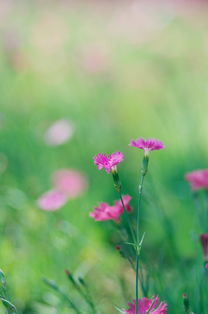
(107, 212)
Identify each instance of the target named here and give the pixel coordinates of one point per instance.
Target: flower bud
(117, 182)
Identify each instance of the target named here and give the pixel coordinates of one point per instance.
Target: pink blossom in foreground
(70, 182)
(59, 132)
(108, 161)
(204, 244)
(126, 200)
(107, 212)
(145, 305)
(104, 212)
(197, 179)
(147, 145)
(52, 200)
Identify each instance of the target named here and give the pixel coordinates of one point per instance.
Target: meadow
(112, 73)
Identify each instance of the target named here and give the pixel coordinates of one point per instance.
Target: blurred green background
(118, 71)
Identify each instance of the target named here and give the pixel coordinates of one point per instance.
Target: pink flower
(107, 212)
(198, 179)
(147, 306)
(59, 132)
(104, 212)
(147, 145)
(126, 200)
(108, 161)
(70, 182)
(52, 200)
(204, 244)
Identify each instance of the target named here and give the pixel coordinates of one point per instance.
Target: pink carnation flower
(147, 306)
(107, 212)
(198, 179)
(147, 145)
(204, 244)
(52, 200)
(70, 182)
(126, 200)
(108, 161)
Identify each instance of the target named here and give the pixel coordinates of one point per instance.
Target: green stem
(127, 217)
(117, 185)
(137, 283)
(139, 205)
(143, 173)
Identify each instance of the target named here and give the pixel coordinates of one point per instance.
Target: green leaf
(11, 309)
(121, 311)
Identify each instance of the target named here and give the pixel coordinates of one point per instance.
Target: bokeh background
(113, 71)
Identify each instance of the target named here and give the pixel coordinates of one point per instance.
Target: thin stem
(139, 205)
(138, 245)
(127, 218)
(118, 186)
(137, 283)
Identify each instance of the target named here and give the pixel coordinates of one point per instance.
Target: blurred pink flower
(107, 212)
(67, 184)
(108, 161)
(147, 306)
(59, 132)
(52, 200)
(147, 145)
(204, 244)
(197, 179)
(70, 182)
